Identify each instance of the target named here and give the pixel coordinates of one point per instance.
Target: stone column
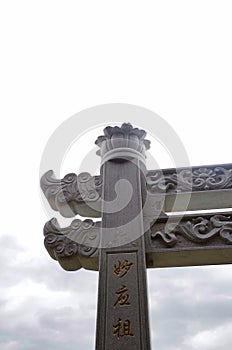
(122, 321)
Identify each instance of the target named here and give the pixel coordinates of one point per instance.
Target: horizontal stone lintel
(189, 257)
(161, 258)
(198, 200)
(203, 238)
(181, 189)
(194, 188)
(189, 240)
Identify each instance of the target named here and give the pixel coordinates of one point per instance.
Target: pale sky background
(60, 57)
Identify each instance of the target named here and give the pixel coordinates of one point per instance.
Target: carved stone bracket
(73, 194)
(202, 178)
(73, 246)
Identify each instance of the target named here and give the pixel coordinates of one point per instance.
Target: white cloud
(11, 345)
(211, 339)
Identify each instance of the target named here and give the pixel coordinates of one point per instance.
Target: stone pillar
(122, 321)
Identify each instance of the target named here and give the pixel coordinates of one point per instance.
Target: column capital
(122, 142)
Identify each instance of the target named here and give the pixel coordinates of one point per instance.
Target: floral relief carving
(198, 179)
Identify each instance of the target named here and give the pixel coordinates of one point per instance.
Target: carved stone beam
(206, 187)
(201, 239)
(81, 195)
(210, 188)
(172, 241)
(74, 246)
(73, 194)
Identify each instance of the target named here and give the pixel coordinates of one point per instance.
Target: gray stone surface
(123, 318)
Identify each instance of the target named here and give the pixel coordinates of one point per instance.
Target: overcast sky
(59, 58)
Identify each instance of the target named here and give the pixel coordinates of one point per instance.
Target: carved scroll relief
(71, 244)
(73, 194)
(210, 229)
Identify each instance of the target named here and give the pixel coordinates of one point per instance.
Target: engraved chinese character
(123, 297)
(123, 329)
(122, 268)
